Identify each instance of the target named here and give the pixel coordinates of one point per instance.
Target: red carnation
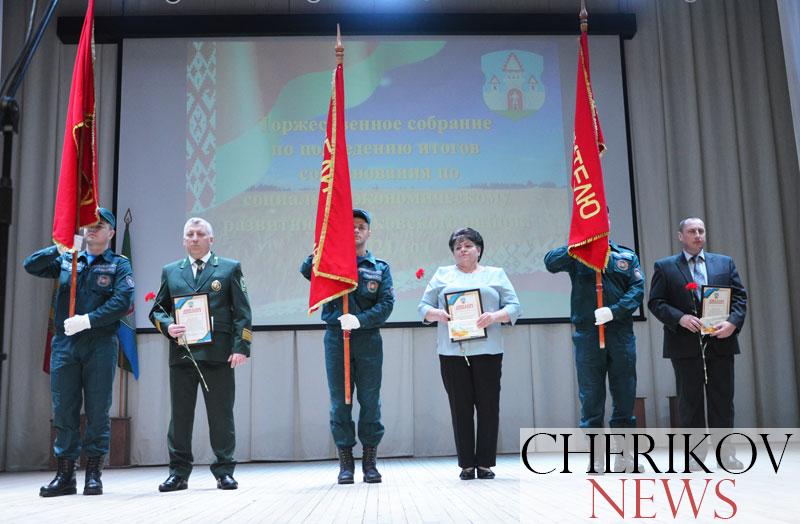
(691, 286)
(150, 296)
(420, 273)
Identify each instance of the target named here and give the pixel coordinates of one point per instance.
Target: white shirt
(700, 263)
(205, 259)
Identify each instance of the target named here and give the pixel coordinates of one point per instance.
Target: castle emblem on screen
(513, 82)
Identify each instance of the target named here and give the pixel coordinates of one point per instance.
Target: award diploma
(192, 311)
(715, 307)
(464, 308)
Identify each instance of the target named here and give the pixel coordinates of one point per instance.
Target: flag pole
(583, 16)
(74, 277)
(348, 396)
(123, 383)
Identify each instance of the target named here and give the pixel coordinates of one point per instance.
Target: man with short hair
(370, 305)
(678, 308)
(221, 280)
(84, 350)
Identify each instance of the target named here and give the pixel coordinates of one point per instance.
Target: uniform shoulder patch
(242, 284)
(623, 264)
(129, 280)
(247, 335)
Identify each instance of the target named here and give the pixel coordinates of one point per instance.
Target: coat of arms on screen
(513, 82)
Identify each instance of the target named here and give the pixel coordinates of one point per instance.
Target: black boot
(64, 481)
(347, 466)
(623, 461)
(368, 463)
(597, 462)
(94, 470)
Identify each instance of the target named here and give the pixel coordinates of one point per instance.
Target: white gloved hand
(76, 324)
(602, 315)
(349, 322)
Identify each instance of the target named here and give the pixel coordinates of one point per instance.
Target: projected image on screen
(442, 132)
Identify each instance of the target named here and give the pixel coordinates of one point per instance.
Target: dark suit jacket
(670, 300)
(227, 297)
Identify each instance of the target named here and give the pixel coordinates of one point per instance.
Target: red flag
(334, 271)
(79, 146)
(588, 231)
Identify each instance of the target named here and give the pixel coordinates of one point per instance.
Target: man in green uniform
(203, 272)
(623, 289)
(370, 305)
(84, 350)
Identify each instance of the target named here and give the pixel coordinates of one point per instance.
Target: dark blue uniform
(371, 303)
(82, 366)
(623, 289)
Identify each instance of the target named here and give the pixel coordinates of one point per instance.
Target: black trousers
(696, 399)
(184, 383)
(471, 389)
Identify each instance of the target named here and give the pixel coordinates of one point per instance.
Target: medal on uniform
(216, 285)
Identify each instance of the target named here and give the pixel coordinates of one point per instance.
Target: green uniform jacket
(623, 285)
(231, 319)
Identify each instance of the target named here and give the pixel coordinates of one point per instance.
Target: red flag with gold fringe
(334, 271)
(76, 199)
(588, 231)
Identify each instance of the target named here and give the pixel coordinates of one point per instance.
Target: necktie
(199, 264)
(697, 274)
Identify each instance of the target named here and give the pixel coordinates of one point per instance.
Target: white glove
(349, 322)
(602, 315)
(76, 324)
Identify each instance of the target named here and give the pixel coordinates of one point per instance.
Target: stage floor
(413, 490)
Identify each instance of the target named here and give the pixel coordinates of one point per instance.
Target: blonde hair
(197, 221)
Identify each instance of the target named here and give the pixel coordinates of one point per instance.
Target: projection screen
(442, 132)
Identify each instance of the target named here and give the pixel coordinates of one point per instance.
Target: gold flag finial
(339, 46)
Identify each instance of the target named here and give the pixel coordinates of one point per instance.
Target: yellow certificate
(715, 308)
(193, 312)
(464, 308)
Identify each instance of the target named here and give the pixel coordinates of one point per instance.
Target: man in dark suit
(221, 279)
(678, 308)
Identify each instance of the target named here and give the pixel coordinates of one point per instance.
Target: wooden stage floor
(414, 490)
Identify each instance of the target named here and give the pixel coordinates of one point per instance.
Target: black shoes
(173, 483)
(94, 470)
(485, 473)
(64, 481)
(731, 463)
(623, 456)
(596, 466)
(469, 473)
(347, 467)
(178, 483)
(368, 465)
(227, 482)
